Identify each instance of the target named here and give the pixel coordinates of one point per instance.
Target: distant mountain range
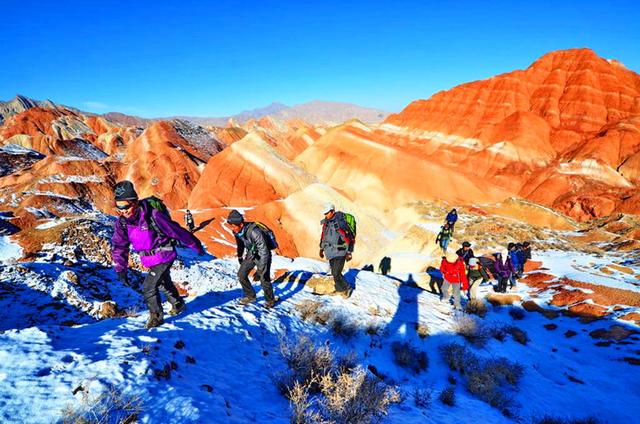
(313, 112)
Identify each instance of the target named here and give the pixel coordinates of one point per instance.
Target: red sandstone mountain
(563, 132)
(167, 160)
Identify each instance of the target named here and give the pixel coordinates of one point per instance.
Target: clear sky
(215, 58)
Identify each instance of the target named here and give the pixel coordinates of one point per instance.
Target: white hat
(328, 207)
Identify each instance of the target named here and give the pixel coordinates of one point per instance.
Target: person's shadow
(203, 224)
(407, 312)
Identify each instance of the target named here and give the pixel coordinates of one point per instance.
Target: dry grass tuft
(110, 406)
(476, 307)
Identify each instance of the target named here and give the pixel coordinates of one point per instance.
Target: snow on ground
(588, 268)
(221, 357)
(9, 251)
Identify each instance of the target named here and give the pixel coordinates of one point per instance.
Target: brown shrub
(110, 406)
(409, 357)
(476, 307)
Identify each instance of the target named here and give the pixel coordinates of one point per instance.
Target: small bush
(110, 406)
(422, 397)
(312, 311)
(344, 328)
(506, 371)
(355, 398)
(448, 396)
(422, 330)
(305, 361)
(476, 307)
(409, 357)
(518, 334)
(458, 357)
(472, 330)
(484, 379)
(516, 313)
(322, 389)
(499, 333)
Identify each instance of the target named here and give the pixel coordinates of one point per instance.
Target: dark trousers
(502, 284)
(436, 283)
(265, 279)
(159, 279)
(337, 265)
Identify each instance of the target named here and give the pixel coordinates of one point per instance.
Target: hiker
(435, 281)
(475, 273)
(253, 252)
(385, 265)
(444, 236)
(188, 219)
(452, 218)
(487, 268)
(455, 276)
(526, 250)
(503, 272)
(336, 244)
(521, 258)
(147, 227)
(514, 257)
(465, 252)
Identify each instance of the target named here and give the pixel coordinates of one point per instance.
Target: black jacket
(465, 255)
(251, 242)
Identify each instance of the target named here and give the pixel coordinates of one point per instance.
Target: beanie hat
(235, 217)
(124, 190)
(511, 246)
(466, 244)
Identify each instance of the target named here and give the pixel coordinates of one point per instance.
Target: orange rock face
(564, 132)
(163, 163)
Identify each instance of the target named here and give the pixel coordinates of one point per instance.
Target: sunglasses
(125, 207)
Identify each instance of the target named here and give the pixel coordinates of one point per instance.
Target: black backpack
(272, 243)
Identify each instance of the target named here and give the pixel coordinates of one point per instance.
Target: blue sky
(215, 58)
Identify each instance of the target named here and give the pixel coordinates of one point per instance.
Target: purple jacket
(505, 269)
(142, 237)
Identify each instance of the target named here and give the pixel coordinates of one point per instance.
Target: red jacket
(455, 272)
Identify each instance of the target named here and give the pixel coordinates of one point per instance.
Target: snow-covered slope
(216, 363)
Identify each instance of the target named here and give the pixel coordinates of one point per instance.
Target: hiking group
(467, 272)
(146, 226)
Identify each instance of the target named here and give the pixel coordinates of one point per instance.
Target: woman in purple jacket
(152, 234)
(504, 271)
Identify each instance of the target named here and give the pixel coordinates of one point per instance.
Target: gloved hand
(122, 276)
(321, 253)
(348, 256)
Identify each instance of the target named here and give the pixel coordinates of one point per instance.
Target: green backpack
(351, 223)
(156, 204)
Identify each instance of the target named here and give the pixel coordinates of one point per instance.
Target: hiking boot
(246, 300)
(345, 294)
(155, 320)
(177, 309)
(271, 303)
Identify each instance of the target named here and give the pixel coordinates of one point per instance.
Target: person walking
(336, 245)
(188, 220)
(253, 252)
(452, 218)
(146, 226)
(435, 280)
(444, 237)
(474, 275)
(385, 265)
(514, 261)
(455, 276)
(503, 272)
(465, 252)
